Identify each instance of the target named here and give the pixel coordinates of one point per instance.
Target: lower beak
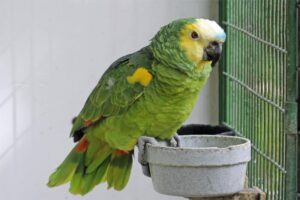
(212, 52)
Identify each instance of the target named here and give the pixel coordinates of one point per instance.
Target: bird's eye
(194, 35)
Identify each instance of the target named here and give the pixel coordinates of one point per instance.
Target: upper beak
(213, 52)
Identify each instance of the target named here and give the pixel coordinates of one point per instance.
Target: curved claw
(175, 141)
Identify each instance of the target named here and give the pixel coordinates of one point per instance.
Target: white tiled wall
(52, 53)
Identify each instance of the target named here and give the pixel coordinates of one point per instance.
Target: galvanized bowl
(204, 165)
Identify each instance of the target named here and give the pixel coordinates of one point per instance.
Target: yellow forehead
(189, 28)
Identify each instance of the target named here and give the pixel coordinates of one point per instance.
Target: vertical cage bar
(283, 84)
(298, 96)
(290, 104)
(222, 65)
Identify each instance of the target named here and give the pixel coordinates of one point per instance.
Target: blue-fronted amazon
(147, 93)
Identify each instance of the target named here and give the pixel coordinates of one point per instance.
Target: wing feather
(112, 95)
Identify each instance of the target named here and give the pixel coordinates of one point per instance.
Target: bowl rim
(246, 142)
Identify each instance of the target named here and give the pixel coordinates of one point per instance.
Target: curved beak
(213, 52)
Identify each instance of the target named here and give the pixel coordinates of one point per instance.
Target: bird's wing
(119, 87)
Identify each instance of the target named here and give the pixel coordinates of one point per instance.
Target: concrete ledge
(246, 194)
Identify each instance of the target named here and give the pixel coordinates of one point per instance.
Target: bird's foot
(175, 141)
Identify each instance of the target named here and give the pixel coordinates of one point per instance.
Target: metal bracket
(143, 141)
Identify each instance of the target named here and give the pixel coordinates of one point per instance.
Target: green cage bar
(258, 89)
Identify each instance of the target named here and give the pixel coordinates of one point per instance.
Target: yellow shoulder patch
(141, 76)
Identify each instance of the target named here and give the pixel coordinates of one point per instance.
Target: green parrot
(147, 93)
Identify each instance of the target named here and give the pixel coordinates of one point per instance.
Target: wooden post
(246, 194)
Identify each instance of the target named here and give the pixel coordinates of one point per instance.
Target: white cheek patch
(210, 30)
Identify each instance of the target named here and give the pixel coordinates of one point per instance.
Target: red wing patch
(121, 152)
(82, 145)
(90, 121)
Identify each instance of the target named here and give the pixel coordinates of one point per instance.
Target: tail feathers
(85, 173)
(99, 157)
(66, 170)
(119, 170)
(83, 182)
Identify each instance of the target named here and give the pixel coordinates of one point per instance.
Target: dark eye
(194, 35)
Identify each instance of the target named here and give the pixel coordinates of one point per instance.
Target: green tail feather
(119, 171)
(83, 182)
(84, 176)
(66, 170)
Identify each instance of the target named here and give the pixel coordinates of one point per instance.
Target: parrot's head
(189, 44)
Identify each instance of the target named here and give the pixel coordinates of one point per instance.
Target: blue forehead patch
(221, 36)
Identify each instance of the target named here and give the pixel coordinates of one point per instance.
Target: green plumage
(118, 112)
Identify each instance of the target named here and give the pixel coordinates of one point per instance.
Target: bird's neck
(175, 82)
